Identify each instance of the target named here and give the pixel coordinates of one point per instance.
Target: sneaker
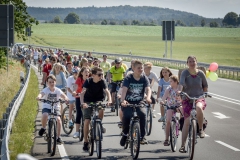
(143, 140)
(103, 130)
(59, 141)
(85, 146)
(123, 140)
(201, 133)
(76, 135)
(120, 124)
(70, 124)
(41, 131)
(154, 115)
(162, 119)
(112, 109)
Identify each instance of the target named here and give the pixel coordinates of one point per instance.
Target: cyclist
(172, 97)
(134, 87)
(152, 77)
(75, 61)
(193, 81)
(93, 91)
(118, 73)
(105, 65)
(82, 76)
(51, 93)
(35, 56)
(47, 67)
(71, 87)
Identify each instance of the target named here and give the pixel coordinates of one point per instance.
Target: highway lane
(225, 130)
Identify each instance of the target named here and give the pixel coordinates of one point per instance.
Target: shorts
(72, 101)
(87, 112)
(153, 100)
(113, 87)
(57, 111)
(187, 106)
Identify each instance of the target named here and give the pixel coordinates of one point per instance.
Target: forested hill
(119, 14)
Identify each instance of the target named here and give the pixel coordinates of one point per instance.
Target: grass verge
(22, 137)
(9, 84)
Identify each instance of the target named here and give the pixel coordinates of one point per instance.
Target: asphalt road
(222, 141)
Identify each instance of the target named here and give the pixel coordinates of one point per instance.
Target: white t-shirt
(59, 81)
(35, 55)
(71, 85)
(51, 96)
(152, 76)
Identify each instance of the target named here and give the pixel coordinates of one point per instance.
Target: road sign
(168, 30)
(5, 24)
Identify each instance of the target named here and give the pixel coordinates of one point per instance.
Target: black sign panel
(28, 31)
(3, 25)
(167, 27)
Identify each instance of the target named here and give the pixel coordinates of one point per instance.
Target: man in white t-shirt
(35, 56)
(71, 88)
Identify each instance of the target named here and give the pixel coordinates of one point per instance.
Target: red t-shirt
(69, 59)
(47, 68)
(79, 83)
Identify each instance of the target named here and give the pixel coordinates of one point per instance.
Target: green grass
(22, 137)
(9, 84)
(207, 44)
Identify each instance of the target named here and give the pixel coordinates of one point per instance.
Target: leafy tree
(239, 20)
(22, 20)
(124, 22)
(57, 20)
(230, 18)
(135, 22)
(203, 23)
(191, 25)
(104, 22)
(213, 24)
(112, 23)
(72, 18)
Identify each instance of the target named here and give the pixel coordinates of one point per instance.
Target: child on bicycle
(94, 90)
(162, 85)
(173, 99)
(51, 93)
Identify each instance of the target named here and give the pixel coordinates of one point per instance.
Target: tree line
(121, 15)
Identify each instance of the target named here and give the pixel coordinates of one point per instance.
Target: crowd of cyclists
(88, 79)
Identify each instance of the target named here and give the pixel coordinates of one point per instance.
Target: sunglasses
(117, 63)
(100, 74)
(53, 60)
(50, 81)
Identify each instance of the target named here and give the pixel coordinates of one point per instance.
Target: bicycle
(133, 138)
(95, 131)
(66, 118)
(118, 83)
(192, 133)
(174, 127)
(50, 134)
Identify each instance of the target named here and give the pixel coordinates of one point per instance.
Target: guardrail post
(1, 133)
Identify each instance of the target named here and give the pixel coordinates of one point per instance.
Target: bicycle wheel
(149, 121)
(135, 140)
(173, 136)
(90, 142)
(192, 138)
(52, 133)
(98, 139)
(116, 104)
(81, 129)
(65, 121)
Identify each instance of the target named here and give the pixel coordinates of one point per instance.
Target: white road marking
(34, 66)
(224, 97)
(220, 115)
(227, 145)
(226, 100)
(206, 135)
(62, 152)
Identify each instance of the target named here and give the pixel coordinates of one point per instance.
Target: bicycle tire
(65, 121)
(98, 139)
(90, 142)
(126, 144)
(81, 129)
(173, 136)
(192, 138)
(52, 133)
(149, 121)
(135, 140)
(116, 105)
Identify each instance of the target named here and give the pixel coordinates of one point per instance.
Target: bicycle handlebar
(205, 94)
(141, 104)
(172, 107)
(51, 102)
(96, 104)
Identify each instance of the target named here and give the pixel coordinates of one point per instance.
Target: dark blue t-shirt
(136, 89)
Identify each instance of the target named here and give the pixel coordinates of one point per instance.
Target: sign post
(168, 34)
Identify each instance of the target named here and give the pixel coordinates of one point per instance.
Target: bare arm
(152, 83)
(108, 95)
(82, 95)
(205, 89)
(159, 90)
(40, 95)
(124, 92)
(148, 92)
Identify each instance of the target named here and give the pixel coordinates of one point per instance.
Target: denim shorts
(72, 101)
(45, 110)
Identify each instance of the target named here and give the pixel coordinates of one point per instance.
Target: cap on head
(66, 54)
(74, 70)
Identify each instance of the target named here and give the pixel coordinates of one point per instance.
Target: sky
(205, 8)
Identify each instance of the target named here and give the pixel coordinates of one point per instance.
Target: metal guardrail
(8, 117)
(224, 71)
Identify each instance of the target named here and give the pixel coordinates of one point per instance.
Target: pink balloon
(213, 67)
